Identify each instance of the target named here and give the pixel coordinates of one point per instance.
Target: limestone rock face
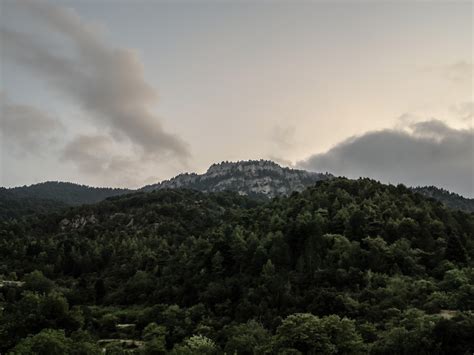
(254, 177)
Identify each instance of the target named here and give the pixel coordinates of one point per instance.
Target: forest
(343, 267)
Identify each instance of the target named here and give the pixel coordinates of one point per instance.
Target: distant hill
(13, 206)
(450, 199)
(255, 178)
(50, 196)
(66, 192)
(261, 179)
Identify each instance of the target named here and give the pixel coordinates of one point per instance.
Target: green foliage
(14, 206)
(450, 199)
(197, 344)
(247, 338)
(455, 251)
(305, 333)
(66, 192)
(47, 342)
(54, 342)
(155, 338)
(343, 267)
(310, 334)
(37, 282)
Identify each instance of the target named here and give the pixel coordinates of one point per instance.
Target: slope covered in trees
(344, 267)
(66, 192)
(450, 199)
(260, 179)
(13, 206)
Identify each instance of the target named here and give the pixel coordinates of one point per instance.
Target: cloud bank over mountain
(105, 81)
(424, 153)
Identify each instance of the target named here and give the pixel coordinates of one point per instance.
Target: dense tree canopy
(345, 267)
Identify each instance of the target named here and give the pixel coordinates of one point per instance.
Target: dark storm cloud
(26, 128)
(427, 153)
(107, 82)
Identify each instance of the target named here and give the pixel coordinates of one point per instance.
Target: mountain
(50, 196)
(66, 192)
(450, 199)
(255, 178)
(14, 206)
(342, 267)
(261, 179)
(258, 179)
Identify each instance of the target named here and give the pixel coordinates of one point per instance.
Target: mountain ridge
(67, 192)
(252, 178)
(450, 199)
(260, 179)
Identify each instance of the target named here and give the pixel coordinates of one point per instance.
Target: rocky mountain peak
(252, 177)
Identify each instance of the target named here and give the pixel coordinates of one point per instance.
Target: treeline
(15, 207)
(345, 267)
(66, 192)
(450, 199)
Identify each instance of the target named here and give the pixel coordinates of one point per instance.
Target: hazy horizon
(124, 94)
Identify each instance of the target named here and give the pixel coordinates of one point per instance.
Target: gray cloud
(26, 128)
(89, 153)
(96, 155)
(426, 153)
(105, 81)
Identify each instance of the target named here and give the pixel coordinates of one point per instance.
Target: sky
(127, 93)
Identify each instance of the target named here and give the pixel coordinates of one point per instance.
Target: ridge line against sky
(86, 98)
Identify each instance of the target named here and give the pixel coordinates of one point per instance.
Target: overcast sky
(125, 93)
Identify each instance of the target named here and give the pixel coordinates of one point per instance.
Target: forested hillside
(259, 179)
(344, 267)
(13, 206)
(450, 199)
(66, 192)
